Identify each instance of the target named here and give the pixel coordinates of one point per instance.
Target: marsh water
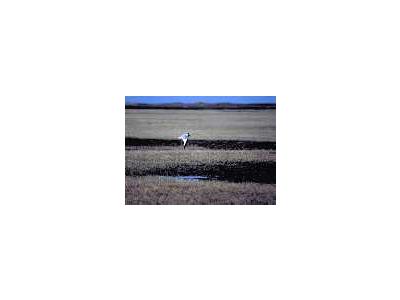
(261, 172)
(187, 178)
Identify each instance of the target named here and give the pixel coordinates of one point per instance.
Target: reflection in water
(187, 178)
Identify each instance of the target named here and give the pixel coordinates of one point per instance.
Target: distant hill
(200, 105)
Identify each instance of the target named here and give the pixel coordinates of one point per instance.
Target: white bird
(184, 137)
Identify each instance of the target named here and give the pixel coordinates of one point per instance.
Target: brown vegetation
(234, 150)
(241, 125)
(158, 190)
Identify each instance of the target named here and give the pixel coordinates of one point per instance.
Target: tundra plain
(233, 152)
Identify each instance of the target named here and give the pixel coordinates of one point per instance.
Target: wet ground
(248, 171)
(260, 172)
(210, 144)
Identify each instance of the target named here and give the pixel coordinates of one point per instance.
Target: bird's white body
(184, 137)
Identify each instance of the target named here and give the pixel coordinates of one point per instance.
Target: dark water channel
(188, 178)
(260, 172)
(210, 144)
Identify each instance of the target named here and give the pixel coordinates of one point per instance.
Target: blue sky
(194, 99)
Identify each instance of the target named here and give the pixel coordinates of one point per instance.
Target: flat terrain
(157, 190)
(251, 125)
(232, 151)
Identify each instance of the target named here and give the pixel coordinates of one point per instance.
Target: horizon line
(200, 99)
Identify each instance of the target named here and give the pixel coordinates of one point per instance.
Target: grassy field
(252, 125)
(145, 160)
(157, 190)
(233, 149)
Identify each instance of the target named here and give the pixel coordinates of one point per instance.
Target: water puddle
(188, 178)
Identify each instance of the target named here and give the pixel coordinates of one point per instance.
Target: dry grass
(157, 190)
(254, 125)
(142, 160)
(244, 176)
